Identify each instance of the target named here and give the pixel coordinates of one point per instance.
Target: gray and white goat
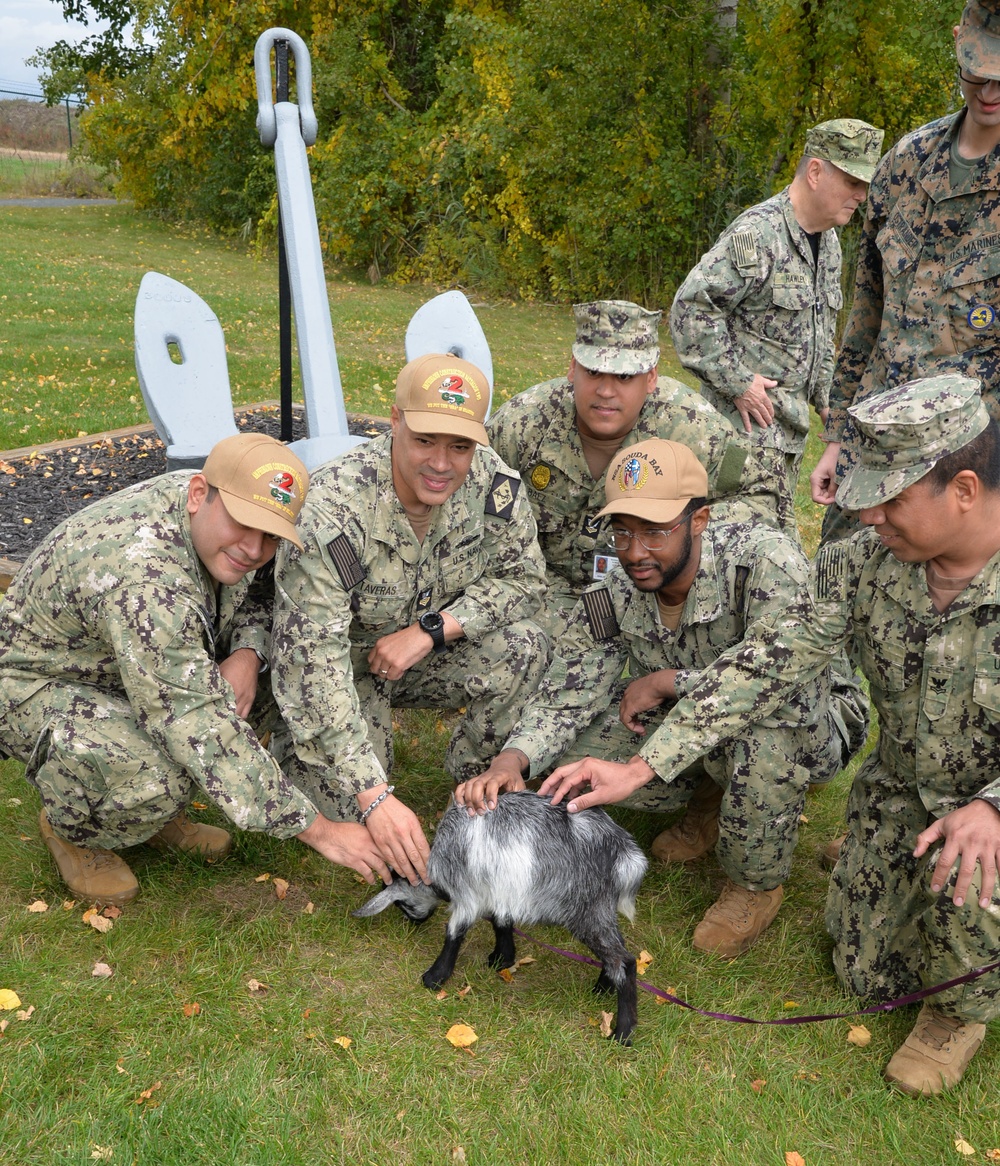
(526, 862)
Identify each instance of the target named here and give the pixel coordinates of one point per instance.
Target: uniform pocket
(973, 298)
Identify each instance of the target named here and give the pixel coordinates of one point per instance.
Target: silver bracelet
(377, 802)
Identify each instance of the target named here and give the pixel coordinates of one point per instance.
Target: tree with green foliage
(542, 148)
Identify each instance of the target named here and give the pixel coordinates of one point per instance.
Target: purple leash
(912, 998)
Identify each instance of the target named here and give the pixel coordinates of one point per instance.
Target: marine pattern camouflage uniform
(745, 571)
(110, 637)
(927, 294)
(484, 568)
(935, 681)
(757, 303)
(535, 433)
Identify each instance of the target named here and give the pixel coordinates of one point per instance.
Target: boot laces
(937, 1030)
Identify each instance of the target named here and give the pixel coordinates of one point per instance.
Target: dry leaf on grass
(98, 922)
(993, 1155)
(793, 1158)
(463, 992)
(308, 909)
(963, 1147)
(507, 974)
(345, 1042)
(461, 1036)
(112, 912)
(146, 1094)
(263, 878)
(606, 1019)
(859, 1035)
(524, 961)
(643, 960)
(199, 805)
(442, 995)
(101, 970)
(26, 1014)
(791, 1004)
(280, 887)
(102, 1153)
(458, 1155)
(758, 1084)
(69, 904)
(9, 999)
(37, 907)
(256, 987)
(192, 1009)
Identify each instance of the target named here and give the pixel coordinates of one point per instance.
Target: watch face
(430, 621)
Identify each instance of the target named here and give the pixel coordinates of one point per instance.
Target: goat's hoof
(432, 982)
(624, 1037)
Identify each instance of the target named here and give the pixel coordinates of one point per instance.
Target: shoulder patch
(740, 590)
(831, 573)
(743, 249)
(502, 495)
(345, 559)
(600, 613)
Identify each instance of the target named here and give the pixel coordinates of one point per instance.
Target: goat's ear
(395, 891)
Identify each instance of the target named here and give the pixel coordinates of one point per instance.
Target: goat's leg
(502, 955)
(617, 974)
(441, 969)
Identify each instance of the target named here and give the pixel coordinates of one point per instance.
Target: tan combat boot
(696, 833)
(95, 876)
(935, 1054)
(736, 920)
(829, 856)
(208, 842)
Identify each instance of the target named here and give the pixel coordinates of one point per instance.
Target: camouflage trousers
(103, 782)
(490, 680)
(764, 774)
(892, 935)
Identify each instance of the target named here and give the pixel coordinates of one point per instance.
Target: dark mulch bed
(38, 491)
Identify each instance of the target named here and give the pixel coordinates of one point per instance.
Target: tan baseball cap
(977, 44)
(438, 393)
(654, 480)
(262, 484)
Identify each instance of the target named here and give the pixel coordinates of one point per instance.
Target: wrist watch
(432, 623)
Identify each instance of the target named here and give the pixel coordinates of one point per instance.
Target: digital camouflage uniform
(110, 638)
(746, 571)
(363, 574)
(535, 433)
(756, 302)
(926, 296)
(935, 681)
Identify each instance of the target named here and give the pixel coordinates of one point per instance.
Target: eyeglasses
(652, 540)
(977, 82)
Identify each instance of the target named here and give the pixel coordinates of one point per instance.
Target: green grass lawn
(125, 1070)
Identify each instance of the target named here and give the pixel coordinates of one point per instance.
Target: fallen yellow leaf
(199, 806)
(9, 999)
(791, 1004)
(643, 960)
(102, 1153)
(256, 986)
(859, 1035)
(463, 992)
(963, 1147)
(345, 1042)
(606, 1019)
(792, 1158)
(69, 904)
(461, 1036)
(263, 878)
(993, 1155)
(525, 960)
(308, 909)
(146, 1094)
(280, 887)
(442, 995)
(98, 922)
(38, 906)
(112, 912)
(507, 974)
(458, 1156)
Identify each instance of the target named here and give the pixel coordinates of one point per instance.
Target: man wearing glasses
(686, 591)
(927, 297)
(561, 436)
